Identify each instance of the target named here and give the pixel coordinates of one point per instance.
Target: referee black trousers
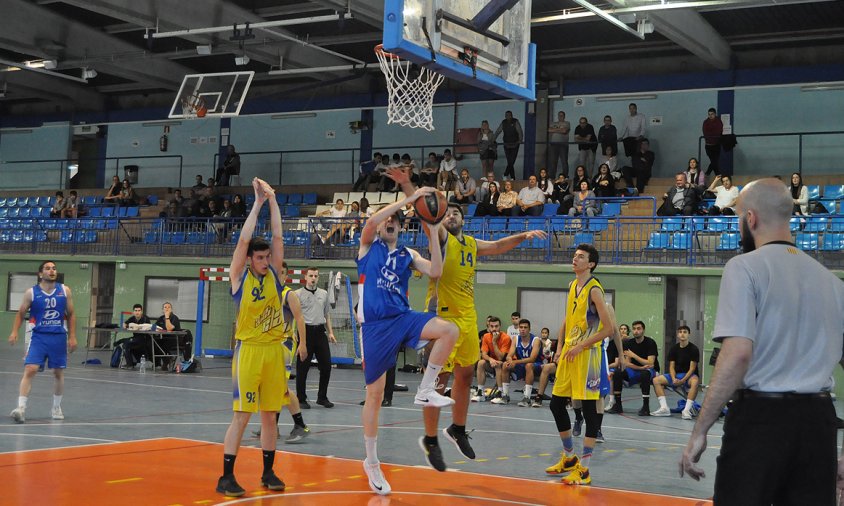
(317, 342)
(778, 451)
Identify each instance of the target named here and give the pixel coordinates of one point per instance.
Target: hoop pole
(200, 293)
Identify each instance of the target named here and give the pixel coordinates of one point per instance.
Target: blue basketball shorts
(50, 347)
(381, 340)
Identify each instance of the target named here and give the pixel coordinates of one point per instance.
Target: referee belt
(755, 394)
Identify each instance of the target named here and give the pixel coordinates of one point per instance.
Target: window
(180, 292)
(20, 282)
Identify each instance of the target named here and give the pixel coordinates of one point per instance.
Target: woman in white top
(545, 184)
(611, 160)
(799, 195)
(338, 210)
(486, 147)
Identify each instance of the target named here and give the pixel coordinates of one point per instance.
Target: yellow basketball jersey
(582, 320)
(260, 317)
(289, 322)
(454, 293)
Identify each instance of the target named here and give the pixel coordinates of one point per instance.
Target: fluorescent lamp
(823, 87)
(294, 115)
(617, 98)
(88, 73)
(204, 50)
(241, 60)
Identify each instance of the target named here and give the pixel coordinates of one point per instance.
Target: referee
(318, 332)
(780, 321)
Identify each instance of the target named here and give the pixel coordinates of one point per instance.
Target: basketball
(431, 208)
(201, 111)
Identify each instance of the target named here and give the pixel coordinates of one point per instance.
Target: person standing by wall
(318, 333)
(513, 137)
(712, 131)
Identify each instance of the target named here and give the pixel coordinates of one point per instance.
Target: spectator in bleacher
(193, 206)
(464, 190)
(683, 363)
(694, 175)
(584, 134)
(341, 227)
(365, 210)
(642, 163)
(531, 200)
(113, 194)
(199, 184)
(448, 175)
(338, 210)
(633, 132)
(682, 198)
(488, 206)
(428, 172)
(365, 173)
(209, 192)
(127, 195)
(172, 211)
(380, 173)
(487, 149)
(608, 137)
(580, 174)
(213, 210)
(232, 168)
(408, 165)
(507, 199)
(177, 198)
(584, 202)
(483, 188)
(71, 209)
(611, 160)
(725, 197)
(546, 184)
(562, 193)
(558, 144)
(603, 184)
(59, 206)
(799, 195)
(238, 207)
(513, 137)
(712, 131)
(640, 359)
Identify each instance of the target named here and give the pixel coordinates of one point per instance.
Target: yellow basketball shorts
(467, 349)
(580, 378)
(258, 379)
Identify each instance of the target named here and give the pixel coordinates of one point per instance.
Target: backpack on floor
(116, 355)
(191, 366)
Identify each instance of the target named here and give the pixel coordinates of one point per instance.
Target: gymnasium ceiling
(108, 37)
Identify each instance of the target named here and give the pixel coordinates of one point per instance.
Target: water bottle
(143, 366)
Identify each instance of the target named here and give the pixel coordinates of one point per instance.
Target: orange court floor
(173, 471)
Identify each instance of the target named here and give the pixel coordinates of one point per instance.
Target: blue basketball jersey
(382, 282)
(525, 351)
(48, 312)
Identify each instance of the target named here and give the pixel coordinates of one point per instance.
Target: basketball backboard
(454, 29)
(220, 95)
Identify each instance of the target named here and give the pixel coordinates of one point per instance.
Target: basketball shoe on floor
(228, 486)
(18, 415)
(272, 482)
(377, 482)
(565, 464)
(578, 476)
(57, 413)
(297, 434)
(662, 411)
(599, 438)
(430, 397)
(504, 399)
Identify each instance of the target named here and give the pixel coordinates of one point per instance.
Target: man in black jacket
(683, 198)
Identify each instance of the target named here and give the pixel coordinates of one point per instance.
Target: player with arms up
(50, 307)
(387, 322)
(258, 370)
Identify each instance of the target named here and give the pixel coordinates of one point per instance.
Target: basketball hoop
(410, 96)
(193, 106)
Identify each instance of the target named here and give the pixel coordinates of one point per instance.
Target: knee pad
(561, 415)
(592, 418)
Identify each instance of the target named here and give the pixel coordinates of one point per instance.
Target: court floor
(156, 439)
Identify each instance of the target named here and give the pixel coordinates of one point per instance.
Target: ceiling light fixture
(241, 60)
(203, 50)
(88, 73)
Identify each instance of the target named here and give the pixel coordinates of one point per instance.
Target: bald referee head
(764, 208)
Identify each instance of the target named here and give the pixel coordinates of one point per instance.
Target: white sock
(22, 401)
(57, 401)
(505, 389)
(662, 402)
(689, 405)
(371, 449)
(528, 390)
(429, 379)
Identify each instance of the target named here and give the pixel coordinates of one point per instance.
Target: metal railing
(627, 240)
(62, 179)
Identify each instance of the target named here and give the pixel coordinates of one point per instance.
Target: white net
(410, 91)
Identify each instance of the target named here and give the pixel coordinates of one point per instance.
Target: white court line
(57, 437)
(385, 498)
(107, 441)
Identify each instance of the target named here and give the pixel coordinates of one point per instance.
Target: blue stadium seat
(671, 224)
(90, 200)
(133, 212)
(281, 198)
(25, 212)
(830, 205)
(107, 212)
(470, 211)
(833, 191)
(815, 224)
(550, 209)
(294, 198)
(152, 200)
(659, 240)
(44, 201)
(807, 241)
(14, 212)
(12, 202)
(596, 224)
(560, 223)
(496, 224)
(583, 238)
(473, 225)
(681, 240)
(611, 209)
(309, 199)
(90, 236)
(291, 211)
(151, 238)
(2, 201)
(518, 224)
(95, 212)
(249, 199)
(121, 212)
(536, 224)
(794, 223)
(833, 241)
(66, 236)
(814, 191)
(836, 223)
(729, 241)
(4, 212)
